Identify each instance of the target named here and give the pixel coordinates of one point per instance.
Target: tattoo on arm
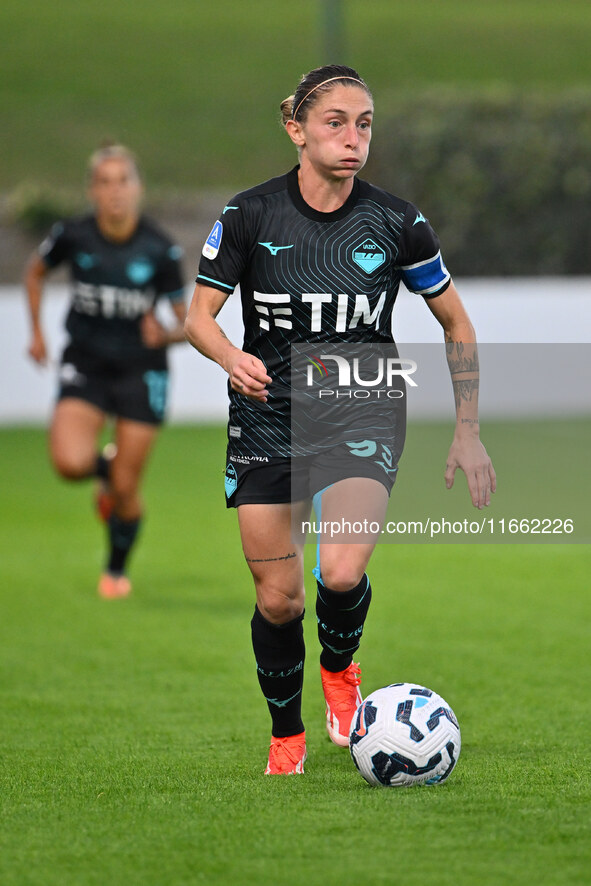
(461, 357)
(463, 365)
(464, 389)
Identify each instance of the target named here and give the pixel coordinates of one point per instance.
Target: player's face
(336, 133)
(116, 189)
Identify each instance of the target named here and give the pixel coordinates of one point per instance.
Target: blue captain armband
(426, 278)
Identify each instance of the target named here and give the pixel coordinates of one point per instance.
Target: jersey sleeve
(56, 246)
(419, 260)
(225, 252)
(169, 281)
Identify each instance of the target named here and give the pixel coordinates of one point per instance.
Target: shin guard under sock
(279, 652)
(122, 535)
(341, 616)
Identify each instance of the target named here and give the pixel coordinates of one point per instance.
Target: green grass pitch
(133, 736)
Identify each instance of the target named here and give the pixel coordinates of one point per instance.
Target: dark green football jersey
(114, 285)
(309, 276)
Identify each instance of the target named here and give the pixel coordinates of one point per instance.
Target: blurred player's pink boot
(111, 587)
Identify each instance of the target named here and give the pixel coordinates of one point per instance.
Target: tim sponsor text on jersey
(110, 301)
(275, 309)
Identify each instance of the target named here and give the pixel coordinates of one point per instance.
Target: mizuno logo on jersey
(275, 249)
(85, 260)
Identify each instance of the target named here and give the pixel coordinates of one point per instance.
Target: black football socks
(279, 652)
(341, 616)
(122, 535)
(102, 467)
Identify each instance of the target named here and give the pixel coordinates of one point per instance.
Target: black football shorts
(261, 480)
(125, 391)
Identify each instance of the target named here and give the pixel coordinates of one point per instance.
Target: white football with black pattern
(404, 734)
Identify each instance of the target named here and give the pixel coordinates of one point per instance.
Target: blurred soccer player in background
(114, 366)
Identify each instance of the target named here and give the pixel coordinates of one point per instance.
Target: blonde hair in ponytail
(286, 109)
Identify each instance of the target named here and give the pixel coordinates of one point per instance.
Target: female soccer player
(319, 256)
(115, 361)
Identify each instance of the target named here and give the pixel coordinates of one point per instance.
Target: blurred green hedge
(505, 178)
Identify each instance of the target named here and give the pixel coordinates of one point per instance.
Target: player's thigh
(352, 516)
(73, 434)
(275, 560)
(134, 441)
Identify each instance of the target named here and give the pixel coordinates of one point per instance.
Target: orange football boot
(287, 755)
(342, 696)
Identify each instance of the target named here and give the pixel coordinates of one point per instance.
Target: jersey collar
(301, 205)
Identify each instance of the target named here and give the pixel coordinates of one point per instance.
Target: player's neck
(320, 193)
(117, 229)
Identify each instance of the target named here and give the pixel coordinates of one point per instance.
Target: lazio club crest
(231, 480)
(369, 256)
(140, 270)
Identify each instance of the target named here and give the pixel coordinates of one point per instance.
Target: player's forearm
(205, 334)
(34, 279)
(34, 295)
(175, 335)
(462, 361)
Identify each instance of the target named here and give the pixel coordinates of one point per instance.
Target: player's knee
(341, 575)
(70, 466)
(279, 607)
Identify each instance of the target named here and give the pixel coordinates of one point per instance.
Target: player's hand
(154, 334)
(469, 454)
(37, 349)
(248, 375)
